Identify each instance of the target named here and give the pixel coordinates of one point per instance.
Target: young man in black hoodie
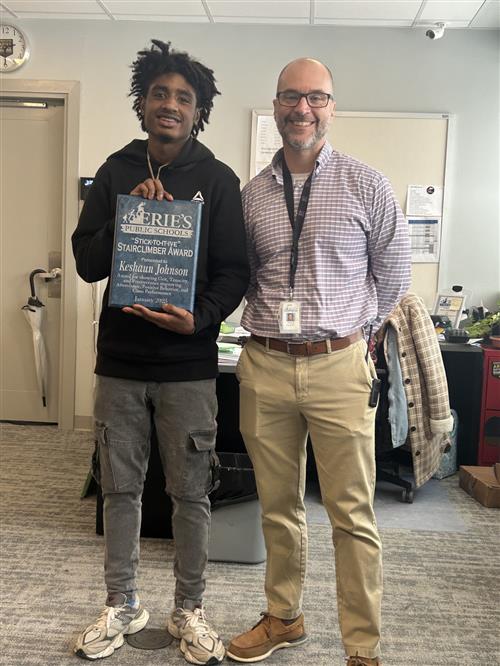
(161, 365)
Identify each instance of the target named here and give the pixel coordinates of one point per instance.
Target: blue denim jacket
(398, 408)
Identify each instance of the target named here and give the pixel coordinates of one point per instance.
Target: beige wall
(375, 70)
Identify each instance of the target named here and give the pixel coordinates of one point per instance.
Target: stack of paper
(229, 352)
(230, 345)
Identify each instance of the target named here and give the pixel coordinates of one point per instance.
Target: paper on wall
(424, 200)
(268, 142)
(425, 233)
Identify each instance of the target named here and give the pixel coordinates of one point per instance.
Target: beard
(286, 132)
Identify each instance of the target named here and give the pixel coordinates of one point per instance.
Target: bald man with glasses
(330, 258)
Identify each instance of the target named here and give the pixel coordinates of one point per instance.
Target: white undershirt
(299, 179)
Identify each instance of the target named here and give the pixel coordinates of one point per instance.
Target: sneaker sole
(212, 661)
(136, 625)
(261, 657)
(184, 649)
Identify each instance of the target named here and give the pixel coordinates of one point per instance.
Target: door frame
(69, 93)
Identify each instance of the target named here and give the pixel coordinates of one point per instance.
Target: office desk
(228, 427)
(463, 365)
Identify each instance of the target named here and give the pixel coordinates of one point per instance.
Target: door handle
(52, 274)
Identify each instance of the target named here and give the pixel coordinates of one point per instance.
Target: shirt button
(403, 354)
(407, 380)
(413, 428)
(411, 404)
(417, 453)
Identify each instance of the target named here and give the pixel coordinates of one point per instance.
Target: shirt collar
(322, 159)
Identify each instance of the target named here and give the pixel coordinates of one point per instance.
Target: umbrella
(33, 313)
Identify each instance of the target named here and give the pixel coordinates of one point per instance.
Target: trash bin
(236, 531)
(236, 480)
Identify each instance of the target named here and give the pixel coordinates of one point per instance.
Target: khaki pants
(282, 398)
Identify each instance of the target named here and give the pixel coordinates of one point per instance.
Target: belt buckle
(290, 345)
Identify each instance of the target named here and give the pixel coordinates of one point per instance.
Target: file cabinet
(489, 430)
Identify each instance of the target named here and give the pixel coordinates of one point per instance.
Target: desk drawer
(492, 383)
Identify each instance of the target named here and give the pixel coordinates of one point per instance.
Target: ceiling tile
(450, 10)
(448, 23)
(162, 18)
(50, 7)
(374, 23)
(286, 9)
(156, 7)
(66, 17)
(262, 20)
(488, 16)
(367, 9)
(375, 13)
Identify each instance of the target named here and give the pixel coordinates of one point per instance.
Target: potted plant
(487, 328)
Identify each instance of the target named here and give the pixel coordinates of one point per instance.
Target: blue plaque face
(155, 252)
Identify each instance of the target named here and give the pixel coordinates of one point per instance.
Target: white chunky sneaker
(102, 638)
(199, 643)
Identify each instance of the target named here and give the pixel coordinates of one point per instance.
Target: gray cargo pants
(184, 415)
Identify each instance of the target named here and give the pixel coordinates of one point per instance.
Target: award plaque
(155, 252)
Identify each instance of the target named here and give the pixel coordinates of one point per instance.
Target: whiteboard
(410, 149)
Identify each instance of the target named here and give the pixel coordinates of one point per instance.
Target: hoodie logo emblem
(198, 197)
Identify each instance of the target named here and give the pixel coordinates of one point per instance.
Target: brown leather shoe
(268, 635)
(363, 661)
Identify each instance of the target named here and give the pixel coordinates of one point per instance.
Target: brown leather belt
(309, 347)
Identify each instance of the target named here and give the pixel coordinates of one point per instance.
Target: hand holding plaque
(177, 320)
(151, 188)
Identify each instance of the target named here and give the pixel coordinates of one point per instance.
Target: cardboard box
(482, 484)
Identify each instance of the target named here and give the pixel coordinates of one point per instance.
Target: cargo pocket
(121, 464)
(201, 464)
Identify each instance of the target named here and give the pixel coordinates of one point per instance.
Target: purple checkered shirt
(354, 250)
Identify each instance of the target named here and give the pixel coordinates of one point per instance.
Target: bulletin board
(410, 149)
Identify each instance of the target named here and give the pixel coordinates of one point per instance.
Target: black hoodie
(128, 346)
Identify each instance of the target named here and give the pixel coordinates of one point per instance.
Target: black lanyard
(297, 221)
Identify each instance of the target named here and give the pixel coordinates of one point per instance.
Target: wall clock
(14, 48)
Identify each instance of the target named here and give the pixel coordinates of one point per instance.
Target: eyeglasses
(316, 100)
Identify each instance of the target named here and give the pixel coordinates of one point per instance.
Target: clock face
(14, 49)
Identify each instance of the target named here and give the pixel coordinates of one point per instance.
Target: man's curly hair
(161, 59)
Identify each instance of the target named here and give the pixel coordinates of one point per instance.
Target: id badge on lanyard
(289, 317)
(289, 311)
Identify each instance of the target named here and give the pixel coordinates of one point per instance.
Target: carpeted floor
(442, 588)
